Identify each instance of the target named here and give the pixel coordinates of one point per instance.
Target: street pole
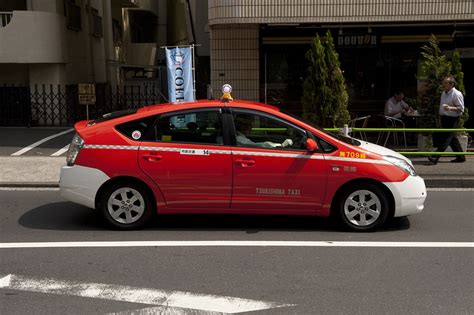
(265, 83)
(193, 65)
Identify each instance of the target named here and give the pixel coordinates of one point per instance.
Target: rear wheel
(363, 207)
(125, 206)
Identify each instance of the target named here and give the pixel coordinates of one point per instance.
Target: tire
(363, 207)
(125, 206)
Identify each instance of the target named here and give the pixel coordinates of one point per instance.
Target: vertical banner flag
(180, 77)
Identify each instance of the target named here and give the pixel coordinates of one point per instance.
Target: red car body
(227, 178)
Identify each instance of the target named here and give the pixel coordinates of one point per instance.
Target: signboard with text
(357, 41)
(180, 77)
(86, 94)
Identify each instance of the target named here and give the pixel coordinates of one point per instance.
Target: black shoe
(433, 160)
(457, 160)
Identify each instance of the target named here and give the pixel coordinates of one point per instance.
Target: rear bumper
(409, 195)
(80, 184)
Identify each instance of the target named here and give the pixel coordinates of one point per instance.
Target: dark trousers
(450, 139)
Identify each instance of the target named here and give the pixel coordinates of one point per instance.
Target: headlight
(76, 145)
(402, 164)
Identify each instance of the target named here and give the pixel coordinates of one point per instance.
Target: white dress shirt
(452, 98)
(244, 141)
(393, 108)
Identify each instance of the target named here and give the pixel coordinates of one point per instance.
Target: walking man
(451, 108)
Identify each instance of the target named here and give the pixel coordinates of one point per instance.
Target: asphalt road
(308, 280)
(13, 139)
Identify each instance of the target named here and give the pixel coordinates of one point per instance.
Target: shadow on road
(66, 216)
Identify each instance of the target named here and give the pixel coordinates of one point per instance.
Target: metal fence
(58, 105)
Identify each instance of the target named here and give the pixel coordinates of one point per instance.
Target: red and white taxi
(232, 157)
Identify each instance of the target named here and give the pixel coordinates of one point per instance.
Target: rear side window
(202, 126)
(137, 129)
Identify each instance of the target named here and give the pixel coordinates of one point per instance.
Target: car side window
(326, 147)
(255, 130)
(136, 129)
(203, 126)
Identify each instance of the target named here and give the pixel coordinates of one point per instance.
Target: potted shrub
(325, 97)
(434, 67)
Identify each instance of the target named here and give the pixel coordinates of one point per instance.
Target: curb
(449, 182)
(29, 185)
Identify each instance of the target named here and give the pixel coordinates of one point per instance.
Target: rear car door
(272, 168)
(185, 155)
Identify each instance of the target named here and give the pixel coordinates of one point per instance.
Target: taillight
(76, 145)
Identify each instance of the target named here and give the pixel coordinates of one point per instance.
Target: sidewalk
(446, 174)
(30, 171)
(35, 171)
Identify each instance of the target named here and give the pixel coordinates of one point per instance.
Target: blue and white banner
(180, 75)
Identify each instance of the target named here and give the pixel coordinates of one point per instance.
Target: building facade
(259, 46)
(48, 47)
(78, 41)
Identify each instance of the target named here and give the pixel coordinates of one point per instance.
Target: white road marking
(37, 143)
(236, 244)
(164, 310)
(181, 299)
(60, 151)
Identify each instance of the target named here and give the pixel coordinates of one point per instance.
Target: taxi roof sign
(226, 90)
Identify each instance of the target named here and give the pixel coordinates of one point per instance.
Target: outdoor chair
(360, 122)
(392, 122)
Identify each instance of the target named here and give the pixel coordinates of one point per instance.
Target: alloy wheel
(362, 208)
(126, 205)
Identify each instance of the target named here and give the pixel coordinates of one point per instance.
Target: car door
(272, 168)
(186, 157)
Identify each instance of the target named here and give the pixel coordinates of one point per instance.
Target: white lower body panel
(409, 195)
(80, 184)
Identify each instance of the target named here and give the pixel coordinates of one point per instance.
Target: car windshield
(336, 135)
(113, 115)
(345, 139)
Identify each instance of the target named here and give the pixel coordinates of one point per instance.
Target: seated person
(244, 128)
(395, 106)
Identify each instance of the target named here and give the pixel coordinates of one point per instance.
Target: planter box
(425, 143)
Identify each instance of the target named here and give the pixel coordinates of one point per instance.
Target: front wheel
(125, 206)
(363, 207)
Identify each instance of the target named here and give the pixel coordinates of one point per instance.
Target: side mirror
(311, 145)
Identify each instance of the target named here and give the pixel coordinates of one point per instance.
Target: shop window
(73, 15)
(96, 23)
(118, 32)
(12, 5)
(142, 26)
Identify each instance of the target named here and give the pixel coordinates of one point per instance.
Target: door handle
(245, 162)
(152, 157)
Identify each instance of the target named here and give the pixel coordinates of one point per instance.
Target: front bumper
(80, 184)
(409, 195)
